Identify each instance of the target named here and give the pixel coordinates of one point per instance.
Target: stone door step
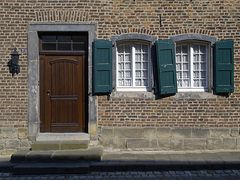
(81, 155)
(60, 141)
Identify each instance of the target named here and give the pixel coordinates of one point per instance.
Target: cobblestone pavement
(171, 175)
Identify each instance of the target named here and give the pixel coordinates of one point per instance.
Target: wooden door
(62, 93)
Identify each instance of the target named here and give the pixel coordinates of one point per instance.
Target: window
(133, 64)
(192, 61)
(63, 42)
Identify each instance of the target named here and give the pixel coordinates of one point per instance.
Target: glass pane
(145, 48)
(138, 65)
(203, 74)
(203, 49)
(145, 82)
(196, 83)
(120, 74)
(179, 83)
(127, 49)
(138, 82)
(178, 49)
(138, 48)
(203, 82)
(178, 59)
(185, 75)
(145, 57)
(179, 67)
(138, 57)
(120, 57)
(128, 66)
(145, 74)
(195, 74)
(120, 82)
(138, 74)
(79, 47)
(121, 66)
(79, 39)
(203, 66)
(195, 66)
(185, 66)
(49, 46)
(196, 58)
(127, 57)
(120, 49)
(145, 65)
(49, 38)
(184, 58)
(128, 82)
(185, 49)
(203, 58)
(128, 74)
(186, 83)
(64, 38)
(64, 46)
(179, 75)
(196, 49)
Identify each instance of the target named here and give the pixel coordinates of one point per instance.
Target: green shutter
(102, 67)
(223, 67)
(166, 67)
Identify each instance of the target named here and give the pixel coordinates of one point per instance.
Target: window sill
(195, 95)
(136, 94)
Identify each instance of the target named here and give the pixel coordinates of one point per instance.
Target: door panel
(62, 93)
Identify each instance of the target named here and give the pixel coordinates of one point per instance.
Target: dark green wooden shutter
(166, 67)
(223, 67)
(102, 67)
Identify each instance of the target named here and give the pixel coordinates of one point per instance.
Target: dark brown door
(62, 93)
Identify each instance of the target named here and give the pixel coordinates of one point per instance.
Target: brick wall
(216, 18)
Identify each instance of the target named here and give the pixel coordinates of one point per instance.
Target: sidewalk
(126, 161)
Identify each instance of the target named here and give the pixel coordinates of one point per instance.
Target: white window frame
(133, 87)
(190, 45)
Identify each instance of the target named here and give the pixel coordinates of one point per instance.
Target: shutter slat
(166, 67)
(223, 67)
(102, 67)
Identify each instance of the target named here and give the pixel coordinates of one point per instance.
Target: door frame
(34, 74)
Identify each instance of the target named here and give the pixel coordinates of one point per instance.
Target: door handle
(48, 92)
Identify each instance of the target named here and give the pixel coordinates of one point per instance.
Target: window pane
(196, 58)
(138, 48)
(145, 74)
(49, 38)
(138, 57)
(120, 74)
(49, 46)
(203, 58)
(186, 83)
(128, 66)
(128, 49)
(79, 47)
(145, 57)
(196, 83)
(185, 49)
(64, 38)
(145, 65)
(196, 49)
(203, 74)
(203, 49)
(145, 82)
(185, 66)
(64, 46)
(145, 48)
(138, 65)
(128, 74)
(120, 58)
(120, 49)
(138, 82)
(127, 58)
(138, 74)
(178, 49)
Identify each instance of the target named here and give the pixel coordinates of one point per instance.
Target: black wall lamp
(14, 68)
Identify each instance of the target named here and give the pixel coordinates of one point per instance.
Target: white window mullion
(133, 66)
(191, 65)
